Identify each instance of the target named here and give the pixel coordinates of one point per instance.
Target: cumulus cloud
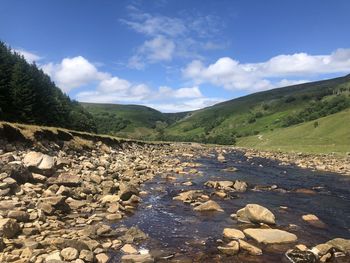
(29, 56)
(233, 75)
(73, 73)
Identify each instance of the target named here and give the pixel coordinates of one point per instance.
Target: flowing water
(175, 230)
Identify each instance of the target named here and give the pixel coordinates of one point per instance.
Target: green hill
(324, 135)
(130, 121)
(262, 112)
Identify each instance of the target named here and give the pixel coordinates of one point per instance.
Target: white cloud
(169, 37)
(29, 56)
(193, 92)
(73, 73)
(233, 75)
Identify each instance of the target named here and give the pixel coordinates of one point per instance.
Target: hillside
(130, 121)
(27, 95)
(262, 112)
(324, 135)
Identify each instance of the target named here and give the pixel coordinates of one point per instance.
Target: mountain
(27, 95)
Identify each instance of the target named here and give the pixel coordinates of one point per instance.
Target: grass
(332, 135)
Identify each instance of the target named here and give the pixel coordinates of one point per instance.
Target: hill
(130, 121)
(27, 95)
(324, 135)
(262, 112)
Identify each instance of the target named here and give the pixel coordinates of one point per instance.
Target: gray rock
(270, 236)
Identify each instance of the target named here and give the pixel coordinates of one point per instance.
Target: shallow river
(175, 230)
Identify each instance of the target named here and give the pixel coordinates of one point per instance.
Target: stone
(240, 186)
(114, 217)
(9, 227)
(298, 256)
(129, 249)
(340, 244)
(86, 255)
(54, 257)
(20, 216)
(232, 233)
(69, 253)
(231, 248)
(313, 221)
(109, 199)
(209, 206)
(127, 190)
(32, 159)
(102, 258)
(66, 179)
(252, 250)
(133, 234)
(137, 259)
(103, 229)
(270, 236)
(39, 162)
(322, 249)
(188, 195)
(256, 214)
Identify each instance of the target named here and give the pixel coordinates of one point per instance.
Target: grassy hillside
(262, 112)
(130, 121)
(324, 135)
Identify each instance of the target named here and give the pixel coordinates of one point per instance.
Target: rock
(86, 255)
(137, 259)
(66, 179)
(114, 217)
(221, 158)
(133, 234)
(322, 249)
(20, 216)
(270, 236)
(69, 253)
(9, 227)
(298, 256)
(188, 195)
(39, 162)
(240, 186)
(209, 206)
(109, 199)
(103, 229)
(314, 221)
(252, 250)
(340, 244)
(231, 248)
(127, 190)
(102, 258)
(54, 257)
(129, 249)
(232, 233)
(256, 214)
(32, 159)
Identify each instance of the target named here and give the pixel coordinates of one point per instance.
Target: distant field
(331, 135)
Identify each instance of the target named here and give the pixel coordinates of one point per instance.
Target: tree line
(27, 95)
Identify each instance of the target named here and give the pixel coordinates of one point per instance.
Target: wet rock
(188, 195)
(340, 244)
(240, 186)
(9, 227)
(232, 233)
(221, 158)
(252, 250)
(69, 253)
(209, 206)
(270, 236)
(133, 234)
(137, 259)
(298, 256)
(127, 190)
(256, 214)
(129, 249)
(313, 221)
(231, 248)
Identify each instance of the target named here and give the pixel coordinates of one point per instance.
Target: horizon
(177, 57)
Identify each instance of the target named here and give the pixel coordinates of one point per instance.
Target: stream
(179, 234)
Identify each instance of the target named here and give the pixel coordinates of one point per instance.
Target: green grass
(331, 135)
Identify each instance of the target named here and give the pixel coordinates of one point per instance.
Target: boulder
(102, 258)
(256, 214)
(240, 186)
(209, 206)
(86, 255)
(9, 227)
(340, 244)
(20, 216)
(65, 179)
(231, 248)
(188, 195)
(232, 233)
(126, 191)
(270, 236)
(129, 249)
(39, 162)
(313, 221)
(53, 257)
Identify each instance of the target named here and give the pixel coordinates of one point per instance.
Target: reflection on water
(174, 228)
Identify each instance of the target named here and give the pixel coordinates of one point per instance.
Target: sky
(178, 55)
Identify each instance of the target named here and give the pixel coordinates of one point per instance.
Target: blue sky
(178, 55)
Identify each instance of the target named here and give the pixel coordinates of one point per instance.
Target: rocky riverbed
(137, 202)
